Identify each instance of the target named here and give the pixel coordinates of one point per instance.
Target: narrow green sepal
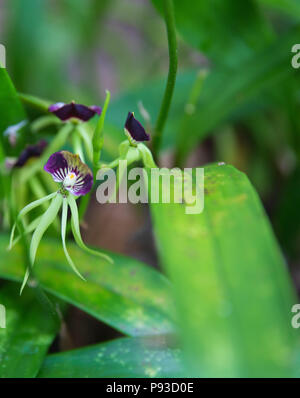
(27, 230)
(76, 231)
(26, 210)
(63, 236)
(46, 219)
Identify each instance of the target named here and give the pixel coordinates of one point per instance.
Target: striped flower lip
(67, 168)
(69, 111)
(134, 130)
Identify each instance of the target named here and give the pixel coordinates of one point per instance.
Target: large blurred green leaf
(125, 357)
(11, 110)
(127, 295)
(28, 334)
(226, 31)
(234, 295)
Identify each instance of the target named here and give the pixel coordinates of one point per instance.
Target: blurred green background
(236, 101)
(247, 113)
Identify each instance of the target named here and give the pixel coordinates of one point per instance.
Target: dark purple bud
(135, 130)
(68, 111)
(31, 151)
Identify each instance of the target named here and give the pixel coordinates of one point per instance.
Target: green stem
(166, 102)
(97, 141)
(98, 138)
(34, 102)
(77, 146)
(43, 122)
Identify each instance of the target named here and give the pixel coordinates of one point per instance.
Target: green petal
(46, 219)
(86, 140)
(26, 276)
(77, 145)
(63, 236)
(76, 231)
(26, 210)
(27, 230)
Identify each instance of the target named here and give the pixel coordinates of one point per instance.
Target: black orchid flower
(69, 111)
(134, 130)
(31, 151)
(76, 179)
(69, 170)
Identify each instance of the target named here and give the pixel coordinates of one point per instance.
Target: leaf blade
(124, 357)
(129, 296)
(230, 281)
(28, 334)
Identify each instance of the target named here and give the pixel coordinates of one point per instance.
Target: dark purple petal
(31, 151)
(55, 163)
(67, 111)
(135, 129)
(56, 107)
(96, 109)
(83, 112)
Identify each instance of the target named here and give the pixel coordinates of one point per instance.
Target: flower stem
(166, 102)
(35, 102)
(97, 142)
(98, 138)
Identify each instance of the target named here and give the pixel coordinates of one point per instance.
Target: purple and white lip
(66, 112)
(68, 169)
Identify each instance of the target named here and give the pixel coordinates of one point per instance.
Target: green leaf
(233, 292)
(127, 295)
(11, 110)
(125, 357)
(11, 113)
(29, 332)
